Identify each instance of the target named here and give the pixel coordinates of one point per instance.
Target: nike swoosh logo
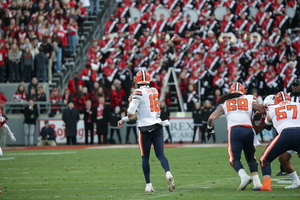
(150, 130)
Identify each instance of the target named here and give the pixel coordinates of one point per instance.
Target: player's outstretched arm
(217, 113)
(258, 107)
(210, 123)
(11, 135)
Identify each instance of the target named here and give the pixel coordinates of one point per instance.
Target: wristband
(209, 127)
(267, 122)
(125, 119)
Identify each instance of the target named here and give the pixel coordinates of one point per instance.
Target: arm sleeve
(8, 130)
(133, 106)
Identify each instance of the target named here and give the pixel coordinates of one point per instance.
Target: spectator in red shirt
(81, 97)
(74, 83)
(21, 94)
(56, 102)
(72, 35)
(117, 94)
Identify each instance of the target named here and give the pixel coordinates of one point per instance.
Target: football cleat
(170, 181)
(244, 182)
(263, 188)
(266, 186)
(149, 188)
(281, 173)
(293, 186)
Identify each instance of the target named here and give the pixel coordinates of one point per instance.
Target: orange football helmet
(237, 88)
(282, 96)
(142, 77)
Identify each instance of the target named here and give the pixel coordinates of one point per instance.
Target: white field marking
(282, 182)
(115, 147)
(9, 158)
(33, 154)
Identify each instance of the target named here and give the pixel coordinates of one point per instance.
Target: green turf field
(200, 173)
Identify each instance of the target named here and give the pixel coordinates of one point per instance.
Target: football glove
(209, 131)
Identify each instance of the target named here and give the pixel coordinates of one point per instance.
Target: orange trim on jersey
(138, 93)
(230, 154)
(244, 125)
(269, 148)
(141, 143)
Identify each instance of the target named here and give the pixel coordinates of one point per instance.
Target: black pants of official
(71, 140)
(101, 131)
(89, 127)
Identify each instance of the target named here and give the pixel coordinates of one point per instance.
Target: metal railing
(42, 107)
(80, 61)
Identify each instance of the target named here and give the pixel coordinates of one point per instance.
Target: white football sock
(149, 184)
(242, 173)
(294, 177)
(1, 153)
(256, 181)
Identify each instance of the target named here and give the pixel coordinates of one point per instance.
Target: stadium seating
(222, 43)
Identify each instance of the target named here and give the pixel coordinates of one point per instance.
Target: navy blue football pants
(289, 139)
(145, 141)
(240, 138)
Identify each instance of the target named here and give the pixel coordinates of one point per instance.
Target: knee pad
(233, 162)
(265, 163)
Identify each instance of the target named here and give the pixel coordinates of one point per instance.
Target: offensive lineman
(285, 165)
(144, 106)
(285, 118)
(12, 137)
(238, 109)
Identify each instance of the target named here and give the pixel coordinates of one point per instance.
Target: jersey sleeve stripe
(138, 93)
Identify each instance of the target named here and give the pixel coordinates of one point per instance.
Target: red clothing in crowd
(79, 100)
(63, 36)
(73, 84)
(3, 56)
(21, 96)
(57, 106)
(116, 98)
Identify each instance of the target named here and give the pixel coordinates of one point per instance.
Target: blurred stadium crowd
(36, 36)
(254, 42)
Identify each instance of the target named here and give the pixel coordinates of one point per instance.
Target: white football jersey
(145, 100)
(284, 115)
(238, 111)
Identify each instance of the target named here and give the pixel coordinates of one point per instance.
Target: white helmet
(269, 100)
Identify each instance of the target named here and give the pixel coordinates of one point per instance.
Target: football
(176, 40)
